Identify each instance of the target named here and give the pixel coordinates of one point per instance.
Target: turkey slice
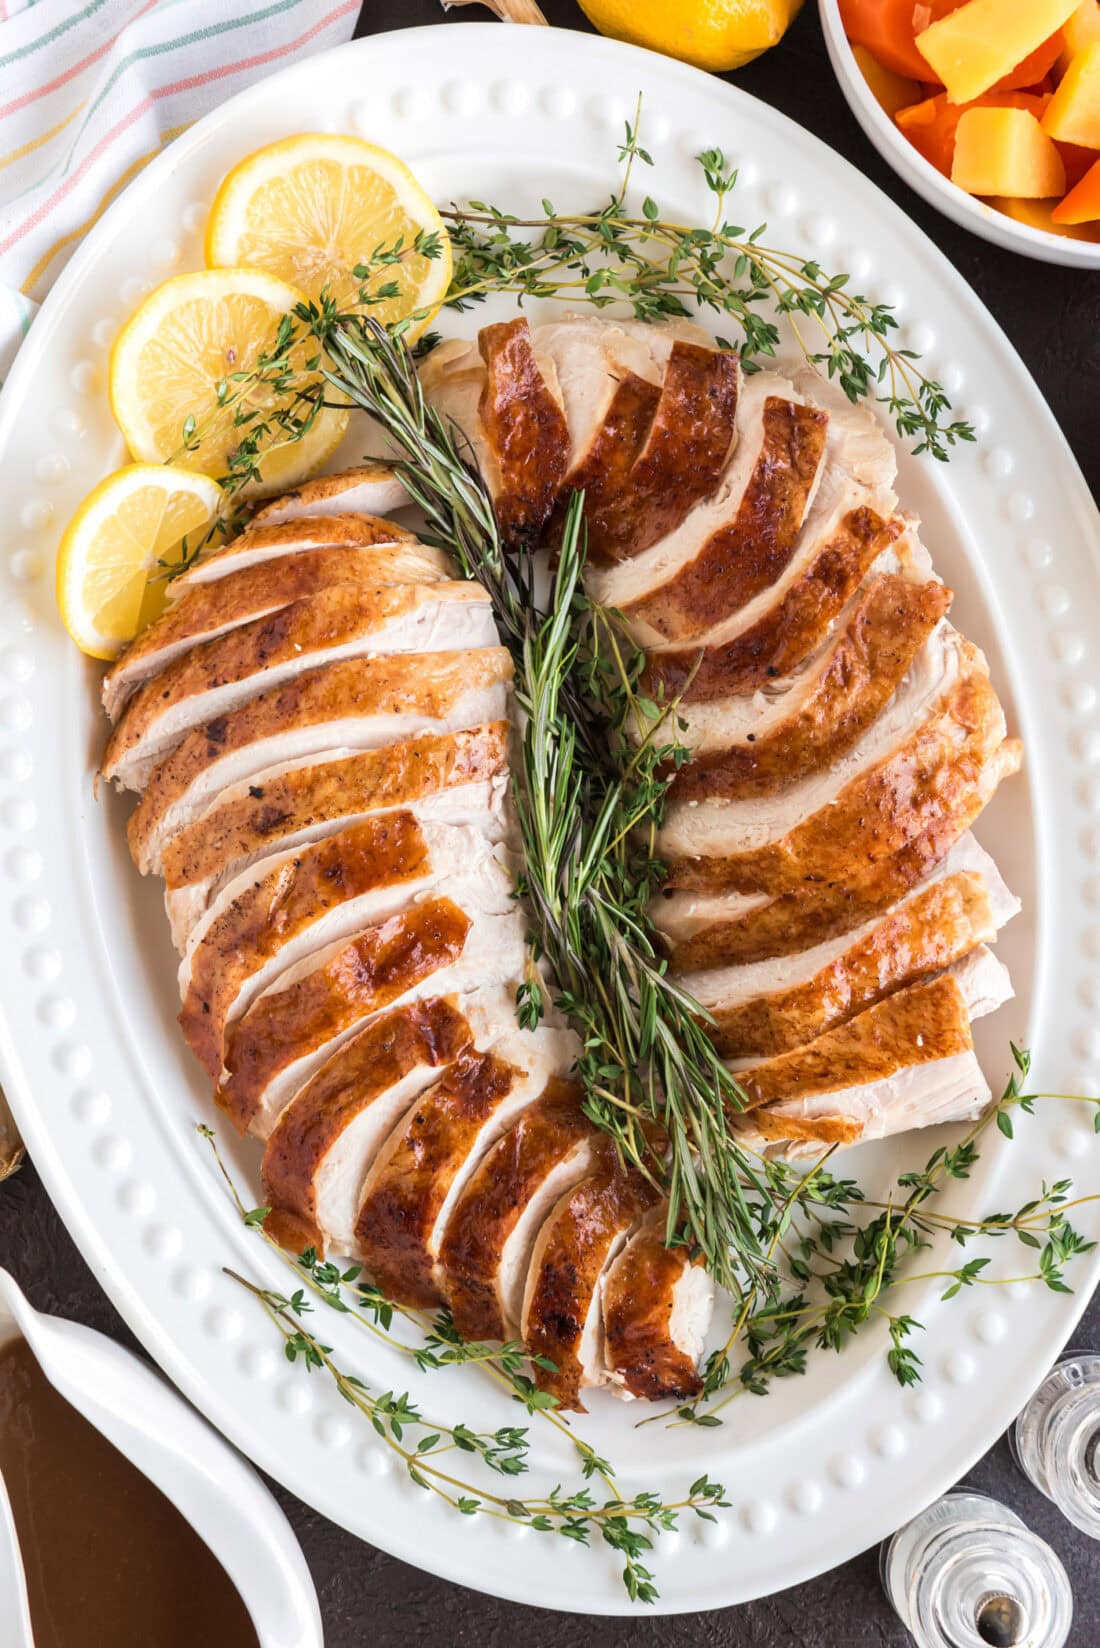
(336, 623)
(275, 541)
(421, 1171)
(658, 448)
(908, 1062)
(322, 1144)
(465, 932)
(458, 779)
(708, 577)
(360, 703)
(485, 1254)
(657, 1307)
(769, 1007)
(935, 754)
(758, 743)
(207, 610)
(294, 903)
(704, 930)
(562, 1319)
(369, 489)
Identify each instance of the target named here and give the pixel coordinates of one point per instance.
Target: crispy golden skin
(572, 1250)
(338, 615)
(920, 1025)
(745, 557)
(525, 427)
(789, 631)
(406, 1196)
(637, 1309)
(861, 672)
(425, 684)
(917, 800)
(929, 932)
(254, 591)
(658, 452)
(286, 901)
(428, 1033)
(365, 976)
(494, 1199)
(369, 781)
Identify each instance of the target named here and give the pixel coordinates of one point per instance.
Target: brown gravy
(108, 1558)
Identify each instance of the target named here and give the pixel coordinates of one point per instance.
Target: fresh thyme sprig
(662, 268)
(626, 1524)
(839, 1272)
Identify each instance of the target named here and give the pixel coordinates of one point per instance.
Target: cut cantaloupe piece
(1082, 29)
(890, 91)
(974, 47)
(1073, 113)
(1039, 214)
(931, 126)
(1006, 152)
(1082, 204)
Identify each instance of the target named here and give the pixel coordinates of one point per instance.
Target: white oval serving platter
(97, 1073)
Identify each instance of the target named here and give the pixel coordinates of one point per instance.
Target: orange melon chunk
(1006, 152)
(1082, 29)
(1073, 113)
(1082, 204)
(890, 91)
(974, 47)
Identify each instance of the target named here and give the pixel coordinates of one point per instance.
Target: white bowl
(938, 190)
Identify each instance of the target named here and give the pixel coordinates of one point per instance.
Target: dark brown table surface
(1053, 317)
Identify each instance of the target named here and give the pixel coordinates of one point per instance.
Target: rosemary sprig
(582, 790)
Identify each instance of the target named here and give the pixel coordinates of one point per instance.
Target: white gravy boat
(209, 1483)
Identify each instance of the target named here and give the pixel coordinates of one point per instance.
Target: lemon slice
(141, 520)
(182, 377)
(312, 208)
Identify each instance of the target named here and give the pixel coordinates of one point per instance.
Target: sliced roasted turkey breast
(464, 932)
(656, 452)
(258, 544)
(324, 1141)
(586, 357)
(769, 1007)
(208, 610)
(485, 1254)
(563, 1300)
(758, 743)
(357, 704)
(507, 404)
(708, 930)
(457, 779)
(657, 1307)
(907, 1062)
(752, 547)
(274, 915)
(422, 1169)
(369, 489)
(336, 623)
(924, 770)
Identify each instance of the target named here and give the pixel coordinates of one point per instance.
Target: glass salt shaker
(967, 1573)
(1056, 1439)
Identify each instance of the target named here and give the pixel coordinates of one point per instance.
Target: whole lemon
(712, 34)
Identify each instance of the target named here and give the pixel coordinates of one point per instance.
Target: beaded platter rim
(98, 1081)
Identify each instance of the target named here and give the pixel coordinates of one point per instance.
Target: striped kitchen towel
(90, 90)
